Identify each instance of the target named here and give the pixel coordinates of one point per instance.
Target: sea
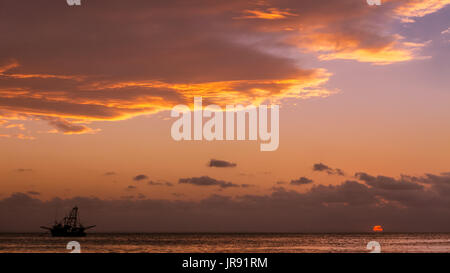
(227, 243)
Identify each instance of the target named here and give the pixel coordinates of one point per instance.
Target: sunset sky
(86, 93)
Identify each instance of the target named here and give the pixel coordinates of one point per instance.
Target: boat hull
(67, 233)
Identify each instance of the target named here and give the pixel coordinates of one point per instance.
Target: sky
(86, 93)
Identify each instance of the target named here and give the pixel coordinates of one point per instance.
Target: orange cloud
(89, 99)
(132, 69)
(305, 86)
(352, 30)
(18, 126)
(10, 65)
(25, 137)
(419, 8)
(18, 136)
(332, 46)
(268, 14)
(14, 64)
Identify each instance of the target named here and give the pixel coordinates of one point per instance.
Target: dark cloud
(349, 193)
(33, 193)
(320, 167)
(440, 183)
(140, 177)
(206, 181)
(351, 206)
(131, 187)
(388, 183)
(339, 172)
(221, 164)
(153, 183)
(110, 173)
(67, 127)
(301, 181)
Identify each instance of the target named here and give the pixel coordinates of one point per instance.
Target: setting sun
(377, 229)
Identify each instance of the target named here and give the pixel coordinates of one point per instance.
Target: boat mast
(72, 219)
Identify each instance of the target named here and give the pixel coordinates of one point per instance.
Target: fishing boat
(69, 226)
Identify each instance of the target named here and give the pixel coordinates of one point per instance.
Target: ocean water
(229, 242)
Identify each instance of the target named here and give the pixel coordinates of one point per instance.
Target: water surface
(229, 242)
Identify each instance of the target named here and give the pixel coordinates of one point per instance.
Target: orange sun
(377, 228)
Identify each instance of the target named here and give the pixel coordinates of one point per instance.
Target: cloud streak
(301, 181)
(214, 163)
(140, 177)
(206, 181)
(320, 167)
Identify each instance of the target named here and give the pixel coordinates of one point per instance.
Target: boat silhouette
(70, 226)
